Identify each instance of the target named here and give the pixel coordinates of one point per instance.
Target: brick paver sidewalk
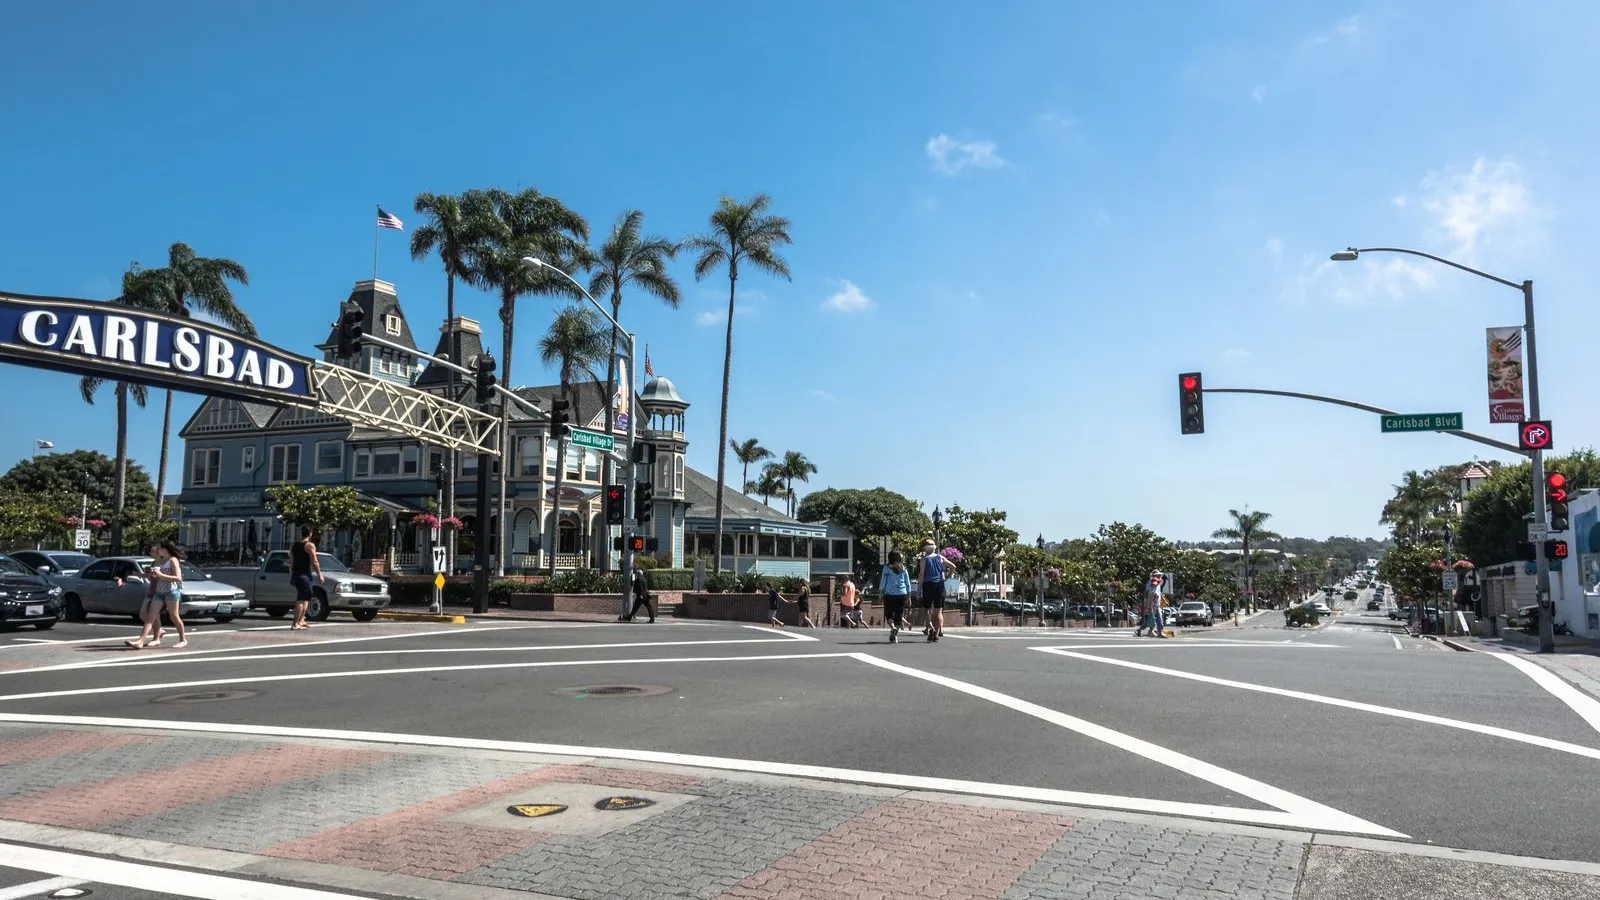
(403, 821)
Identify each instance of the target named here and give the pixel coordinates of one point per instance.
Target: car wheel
(277, 612)
(74, 609)
(45, 626)
(317, 610)
(364, 615)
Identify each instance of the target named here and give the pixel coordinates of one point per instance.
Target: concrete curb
(1457, 645)
(422, 617)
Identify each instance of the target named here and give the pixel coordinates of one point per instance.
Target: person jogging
(933, 570)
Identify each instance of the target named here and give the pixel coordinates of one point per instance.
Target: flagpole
(375, 231)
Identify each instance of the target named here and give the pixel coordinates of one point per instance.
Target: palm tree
(1249, 527)
(574, 344)
(526, 223)
(451, 227)
(187, 284)
(741, 234)
(1419, 503)
(747, 452)
(626, 258)
(770, 485)
(87, 386)
(795, 466)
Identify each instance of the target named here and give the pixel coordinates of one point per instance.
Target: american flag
(649, 370)
(387, 221)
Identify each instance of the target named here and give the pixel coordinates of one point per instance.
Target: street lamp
(630, 475)
(1547, 635)
(938, 520)
(1040, 544)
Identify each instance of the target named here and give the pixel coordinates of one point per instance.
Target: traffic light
(1556, 493)
(644, 453)
(1191, 403)
(1555, 549)
(638, 544)
(484, 372)
(559, 417)
(348, 339)
(614, 505)
(644, 502)
(1526, 552)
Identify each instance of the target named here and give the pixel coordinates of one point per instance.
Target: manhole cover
(535, 810)
(204, 697)
(617, 804)
(613, 690)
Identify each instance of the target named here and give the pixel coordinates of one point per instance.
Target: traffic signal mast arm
(454, 367)
(1482, 439)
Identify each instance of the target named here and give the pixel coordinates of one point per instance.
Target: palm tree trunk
(452, 347)
(722, 430)
(788, 485)
(507, 318)
(119, 484)
(161, 470)
(604, 554)
(1249, 583)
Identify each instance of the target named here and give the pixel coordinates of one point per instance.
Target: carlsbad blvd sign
(88, 337)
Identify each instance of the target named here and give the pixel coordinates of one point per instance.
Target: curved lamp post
(630, 470)
(1547, 640)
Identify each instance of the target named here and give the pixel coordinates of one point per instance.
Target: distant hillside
(1353, 552)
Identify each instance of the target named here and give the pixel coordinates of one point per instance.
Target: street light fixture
(1547, 639)
(630, 476)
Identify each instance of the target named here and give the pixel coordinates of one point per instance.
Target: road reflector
(535, 810)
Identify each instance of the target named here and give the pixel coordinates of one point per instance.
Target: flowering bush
(427, 520)
(97, 523)
(450, 522)
(69, 521)
(1437, 565)
(955, 556)
(1464, 564)
(1053, 572)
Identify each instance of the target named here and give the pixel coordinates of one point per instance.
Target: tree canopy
(324, 507)
(56, 479)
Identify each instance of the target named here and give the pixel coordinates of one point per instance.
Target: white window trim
(214, 470)
(299, 463)
(391, 323)
(247, 459)
(317, 458)
(415, 455)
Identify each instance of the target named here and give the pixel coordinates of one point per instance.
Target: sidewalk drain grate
(204, 697)
(613, 690)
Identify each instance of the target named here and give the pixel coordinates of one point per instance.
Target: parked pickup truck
(268, 588)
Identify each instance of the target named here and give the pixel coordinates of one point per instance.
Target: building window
(591, 465)
(330, 457)
(207, 468)
(410, 459)
(768, 546)
(363, 464)
(385, 463)
(841, 549)
(469, 464)
(574, 462)
(285, 463)
(664, 480)
(197, 536)
(391, 324)
(819, 549)
(727, 544)
(247, 460)
(786, 547)
(677, 475)
(550, 459)
(530, 457)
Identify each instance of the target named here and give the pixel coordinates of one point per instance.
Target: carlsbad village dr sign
(89, 337)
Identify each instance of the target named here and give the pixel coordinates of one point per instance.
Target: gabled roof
(256, 416)
(376, 299)
(461, 342)
(701, 492)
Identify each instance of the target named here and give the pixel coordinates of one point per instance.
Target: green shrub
(1301, 615)
(584, 581)
(670, 579)
(1350, 596)
(456, 592)
(645, 563)
(720, 582)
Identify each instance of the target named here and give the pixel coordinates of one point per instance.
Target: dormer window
(391, 324)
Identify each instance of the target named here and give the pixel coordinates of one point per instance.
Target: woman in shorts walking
(894, 584)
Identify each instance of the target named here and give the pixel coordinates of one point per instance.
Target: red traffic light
(1556, 480)
(1190, 382)
(614, 493)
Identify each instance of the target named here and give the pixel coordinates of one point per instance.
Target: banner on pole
(1505, 374)
(622, 400)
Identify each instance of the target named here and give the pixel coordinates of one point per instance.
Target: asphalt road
(1321, 729)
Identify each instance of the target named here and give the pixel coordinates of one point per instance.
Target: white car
(1193, 612)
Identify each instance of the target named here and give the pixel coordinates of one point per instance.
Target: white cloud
(1258, 93)
(749, 304)
(1343, 30)
(1275, 247)
(1101, 218)
(972, 295)
(950, 156)
(1470, 206)
(1057, 121)
(1236, 353)
(821, 394)
(1359, 283)
(1400, 200)
(707, 317)
(848, 298)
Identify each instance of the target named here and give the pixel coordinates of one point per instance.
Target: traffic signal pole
(1547, 622)
(630, 481)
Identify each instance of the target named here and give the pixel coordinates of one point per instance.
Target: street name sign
(1420, 422)
(593, 439)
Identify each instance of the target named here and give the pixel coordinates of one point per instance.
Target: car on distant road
(52, 562)
(1373, 604)
(1320, 608)
(27, 598)
(1194, 612)
(340, 588)
(116, 585)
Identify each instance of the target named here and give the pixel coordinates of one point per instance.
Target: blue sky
(1014, 223)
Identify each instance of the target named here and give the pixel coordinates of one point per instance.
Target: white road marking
(1490, 730)
(171, 659)
(791, 635)
(176, 882)
(1585, 706)
(1278, 818)
(111, 663)
(37, 888)
(1308, 813)
(1397, 644)
(36, 642)
(419, 670)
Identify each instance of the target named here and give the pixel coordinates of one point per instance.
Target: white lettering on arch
(219, 357)
(28, 328)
